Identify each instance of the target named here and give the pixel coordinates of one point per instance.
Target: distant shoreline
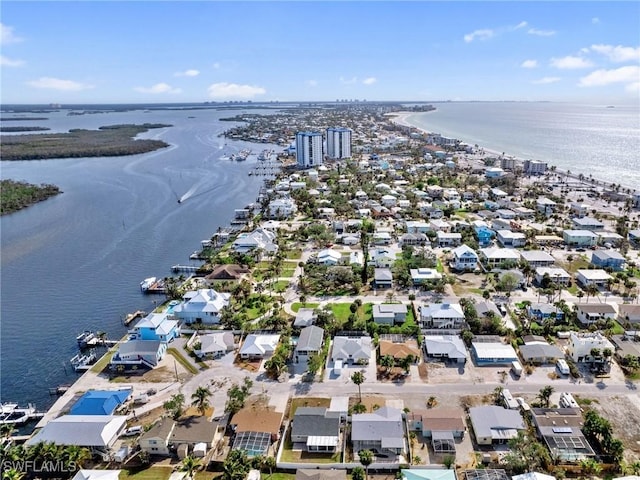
(400, 118)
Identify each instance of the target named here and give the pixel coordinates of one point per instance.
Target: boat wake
(189, 193)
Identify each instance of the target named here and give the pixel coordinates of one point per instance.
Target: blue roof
(99, 402)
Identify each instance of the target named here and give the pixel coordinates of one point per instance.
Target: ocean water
(75, 261)
(588, 139)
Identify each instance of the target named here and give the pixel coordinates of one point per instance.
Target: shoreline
(400, 119)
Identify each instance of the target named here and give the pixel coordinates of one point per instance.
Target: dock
(132, 316)
(185, 268)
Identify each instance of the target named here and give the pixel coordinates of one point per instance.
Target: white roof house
(216, 344)
(259, 345)
(441, 315)
(91, 431)
(464, 258)
(493, 352)
(596, 277)
(581, 344)
(259, 239)
(495, 256)
(329, 257)
(382, 429)
(282, 208)
(424, 275)
(351, 349)
(97, 475)
(495, 424)
(445, 346)
(203, 305)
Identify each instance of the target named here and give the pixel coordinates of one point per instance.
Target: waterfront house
(259, 241)
(442, 316)
(389, 313)
(579, 238)
(215, 345)
(155, 326)
(589, 313)
(561, 431)
(537, 258)
(98, 433)
(464, 258)
(227, 273)
(202, 306)
(259, 345)
(100, 402)
(599, 278)
(312, 430)
(282, 208)
(608, 259)
(495, 425)
(447, 347)
(351, 350)
(309, 343)
(581, 344)
(138, 354)
(587, 223)
(509, 239)
(381, 431)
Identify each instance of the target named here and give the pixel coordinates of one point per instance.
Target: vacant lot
(623, 411)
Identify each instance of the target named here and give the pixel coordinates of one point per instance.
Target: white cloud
(546, 80)
(226, 90)
(598, 78)
(9, 62)
(618, 53)
(158, 88)
(369, 81)
(595, 20)
(59, 84)
(348, 81)
(633, 88)
(541, 33)
(483, 34)
(529, 64)
(569, 62)
(187, 73)
(312, 83)
(519, 26)
(217, 65)
(7, 36)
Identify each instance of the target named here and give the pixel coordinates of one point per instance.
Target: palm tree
(387, 362)
(545, 395)
(366, 459)
(201, 399)
(12, 474)
(190, 465)
(76, 455)
(358, 378)
(269, 463)
(175, 405)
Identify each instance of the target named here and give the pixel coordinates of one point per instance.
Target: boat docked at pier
(265, 155)
(83, 361)
(85, 338)
(13, 414)
(243, 155)
(152, 285)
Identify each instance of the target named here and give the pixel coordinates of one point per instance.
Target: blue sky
(163, 51)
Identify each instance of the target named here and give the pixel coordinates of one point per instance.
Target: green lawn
(287, 272)
(101, 364)
(439, 267)
(277, 476)
(294, 254)
(280, 286)
(341, 311)
(297, 306)
(182, 361)
(617, 328)
(307, 402)
(151, 473)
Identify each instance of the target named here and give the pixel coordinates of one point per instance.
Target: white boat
(84, 338)
(147, 283)
(12, 414)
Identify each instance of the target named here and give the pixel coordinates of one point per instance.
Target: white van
(132, 431)
(563, 367)
(567, 401)
(516, 368)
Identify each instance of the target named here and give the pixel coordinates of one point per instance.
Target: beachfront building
(308, 149)
(579, 238)
(534, 167)
(338, 143)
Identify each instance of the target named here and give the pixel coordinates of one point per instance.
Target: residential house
(538, 351)
(545, 311)
(100, 402)
(627, 345)
(419, 226)
(561, 431)
(608, 259)
(309, 343)
(329, 257)
(545, 206)
(443, 426)
(581, 344)
(579, 238)
(382, 238)
(634, 237)
(255, 430)
(383, 278)
(166, 435)
(260, 240)
(506, 214)
(381, 258)
(484, 235)
(494, 257)
(509, 239)
(589, 313)
(598, 277)
(381, 431)
(98, 433)
(312, 430)
(428, 474)
(485, 308)
(259, 345)
(447, 347)
(351, 350)
(424, 276)
(579, 210)
(389, 313)
(315, 474)
(557, 275)
(155, 326)
(629, 313)
(447, 239)
(215, 345)
(490, 350)
(442, 315)
(399, 348)
(138, 354)
(305, 317)
(86, 474)
(464, 258)
(202, 306)
(495, 425)
(537, 258)
(440, 225)
(227, 273)
(612, 238)
(281, 208)
(587, 223)
(413, 239)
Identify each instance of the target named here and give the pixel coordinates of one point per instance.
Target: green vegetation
(101, 364)
(109, 141)
(152, 473)
(15, 196)
(297, 306)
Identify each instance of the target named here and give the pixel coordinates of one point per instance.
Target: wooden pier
(185, 268)
(132, 316)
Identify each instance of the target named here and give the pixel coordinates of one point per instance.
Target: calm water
(588, 139)
(75, 261)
